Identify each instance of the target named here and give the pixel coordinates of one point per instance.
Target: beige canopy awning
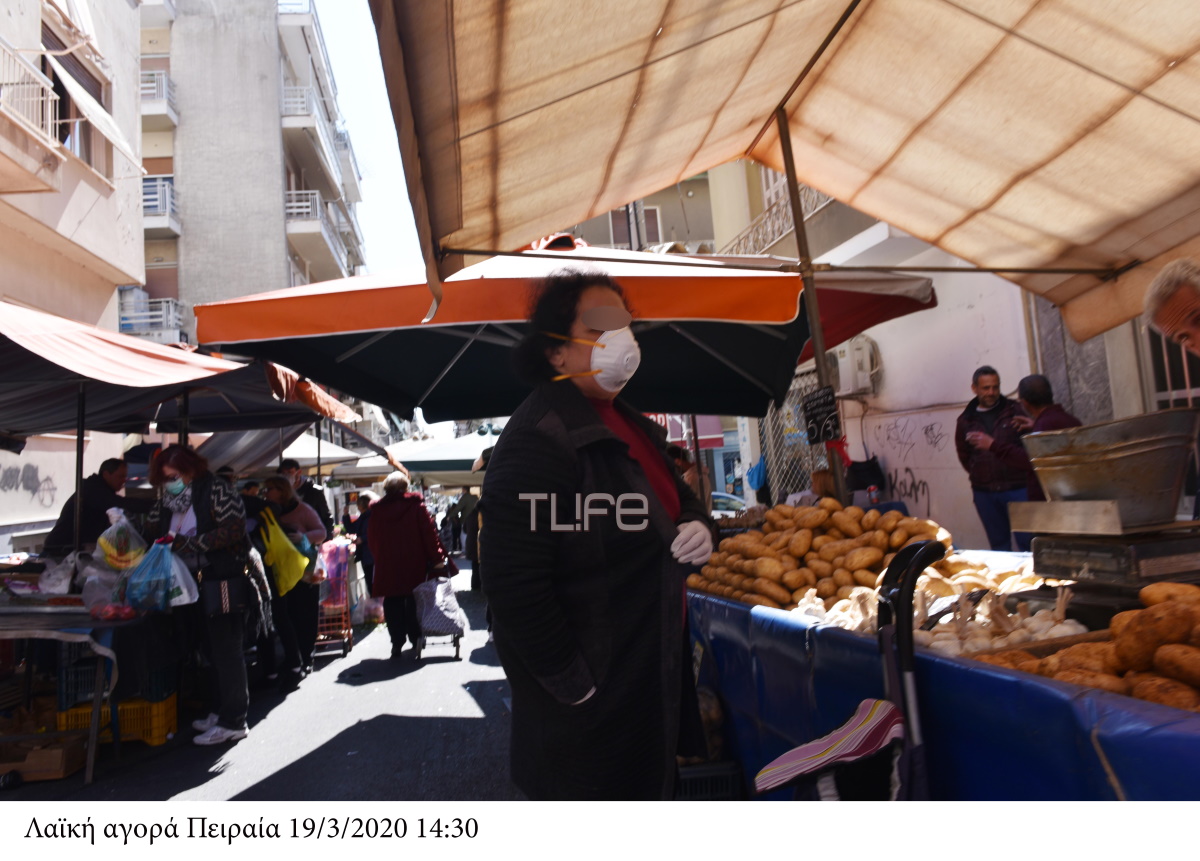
(1025, 134)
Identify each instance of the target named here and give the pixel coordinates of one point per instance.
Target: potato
(864, 557)
(1028, 666)
(1168, 692)
(898, 538)
(1179, 662)
(865, 577)
(800, 595)
(843, 577)
(772, 590)
(820, 541)
(845, 591)
(821, 568)
(846, 524)
(855, 512)
(831, 602)
(835, 533)
(840, 562)
(1000, 660)
(887, 521)
(694, 581)
(878, 538)
(1091, 657)
(769, 569)
(774, 515)
(779, 540)
(760, 600)
(789, 562)
(834, 549)
(1103, 681)
(829, 504)
(826, 588)
(870, 519)
(738, 594)
(726, 545)
(785, 510)
(1157, 593)
(768, 529)
(1194, 639)
(810, 518)
(1153, 627)
(1118, 622)
(795, 579)
(800, 543)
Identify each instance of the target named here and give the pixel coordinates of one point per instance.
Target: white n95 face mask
(615, 359)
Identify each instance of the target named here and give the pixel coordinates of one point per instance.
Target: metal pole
(79, 422)
(184, 407)
(319, 450)
(816, 332)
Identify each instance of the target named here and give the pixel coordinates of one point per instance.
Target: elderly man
(993, 484)
(1172, 303)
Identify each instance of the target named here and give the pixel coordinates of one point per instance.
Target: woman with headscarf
(588, 534)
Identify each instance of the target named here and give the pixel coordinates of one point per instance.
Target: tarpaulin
(990, 733)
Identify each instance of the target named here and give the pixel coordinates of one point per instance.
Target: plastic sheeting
(990, 734)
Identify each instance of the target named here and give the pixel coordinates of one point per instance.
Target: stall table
(990, 733)
(70, 627)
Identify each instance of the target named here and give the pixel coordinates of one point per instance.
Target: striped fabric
(875, 724)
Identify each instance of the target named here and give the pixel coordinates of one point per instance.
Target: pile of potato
(825, 548)
(1152, 654)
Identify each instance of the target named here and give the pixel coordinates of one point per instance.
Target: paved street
(360, 727)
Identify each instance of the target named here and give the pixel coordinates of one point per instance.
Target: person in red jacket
(405, 545)
(1037, 398)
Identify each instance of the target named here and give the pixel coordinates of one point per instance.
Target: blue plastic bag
(756, 476)
(148, 586)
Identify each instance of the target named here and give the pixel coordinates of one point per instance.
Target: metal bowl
(1140, 462)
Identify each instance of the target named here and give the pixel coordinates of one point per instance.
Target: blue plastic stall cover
(990, 733)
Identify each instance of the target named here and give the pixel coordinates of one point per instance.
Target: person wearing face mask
(204, 518)
(588, 536)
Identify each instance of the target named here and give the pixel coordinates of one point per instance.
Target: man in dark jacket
(1037, 398)
(99, 495)
(308, 492)
(994, 484)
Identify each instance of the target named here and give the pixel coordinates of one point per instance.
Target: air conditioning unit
(854, 366)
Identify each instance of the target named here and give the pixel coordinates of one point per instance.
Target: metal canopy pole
(79, 423)
(183, 418)
(816, 332)
(319, 423)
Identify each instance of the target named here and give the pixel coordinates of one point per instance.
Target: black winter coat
(986, 471)
(576, 609)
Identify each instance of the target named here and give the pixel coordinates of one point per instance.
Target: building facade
(251, 181)
(70, 208)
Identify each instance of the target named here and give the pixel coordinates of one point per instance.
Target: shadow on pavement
(390, 757)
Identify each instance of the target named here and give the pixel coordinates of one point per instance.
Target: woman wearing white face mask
(588, 535)
(206, 520)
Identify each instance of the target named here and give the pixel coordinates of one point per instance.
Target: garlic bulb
(946, 646)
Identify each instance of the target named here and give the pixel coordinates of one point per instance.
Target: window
(619, 220)
(1175, 372)
(653, 234)
(75, 131)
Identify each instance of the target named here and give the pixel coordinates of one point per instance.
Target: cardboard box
(49, 760)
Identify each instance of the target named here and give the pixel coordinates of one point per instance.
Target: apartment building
(70, 207)
(680, 216)
(251, 180)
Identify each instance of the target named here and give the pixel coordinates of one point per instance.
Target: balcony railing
(307, 205)
(159, 196)
(304, 102)
(158, 86)
(307, 7)
(774, 223)
(342, 139)
(153, 315)
(27, 96)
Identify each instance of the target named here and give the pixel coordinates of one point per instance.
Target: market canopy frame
(716, 339)
(1024, 136)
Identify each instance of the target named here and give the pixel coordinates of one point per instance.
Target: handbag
(218, 597)
(285, 560)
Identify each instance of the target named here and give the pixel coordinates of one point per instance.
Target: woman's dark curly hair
(554, 306)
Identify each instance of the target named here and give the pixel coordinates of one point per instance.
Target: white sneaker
(205, 724)
(220, 735)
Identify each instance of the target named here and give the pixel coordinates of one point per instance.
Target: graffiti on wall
(14, 479)
(907, 487)
(909, 443)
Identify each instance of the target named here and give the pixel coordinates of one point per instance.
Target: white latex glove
(693, 543)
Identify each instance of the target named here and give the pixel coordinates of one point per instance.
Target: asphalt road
(362, 727)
